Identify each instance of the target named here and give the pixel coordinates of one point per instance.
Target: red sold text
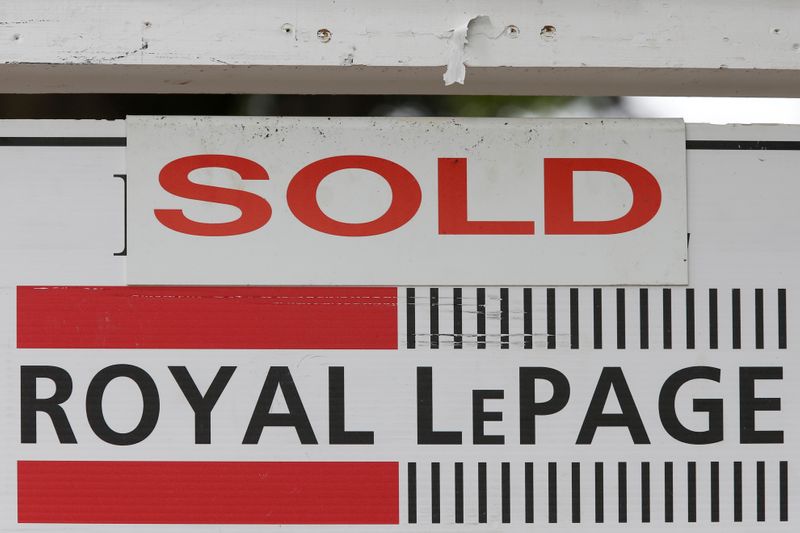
(301, 197)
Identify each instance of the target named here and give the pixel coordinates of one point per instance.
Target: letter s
(174, 178)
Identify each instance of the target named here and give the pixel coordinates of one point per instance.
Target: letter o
(150, 401)
(302, 196)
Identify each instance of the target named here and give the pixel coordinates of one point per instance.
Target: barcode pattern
(535, 318)
(598, 492)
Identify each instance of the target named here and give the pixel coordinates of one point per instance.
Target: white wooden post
(580, 47)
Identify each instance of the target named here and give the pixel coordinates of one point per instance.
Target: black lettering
(279, 377)
(337, 433)
(30, 404)
(150, 404)
(425, 432)
(612, 377)
(480, 416)
(749, 404)
(669, 418)
(202, 404)
(529, 408)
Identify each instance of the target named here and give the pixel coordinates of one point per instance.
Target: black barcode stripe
(759, 319)
(529, 493)
(784, 491)
(598, 493)
(481, 310)
(713, 332)
(714, 491)
(666, 313)
(645, 492)
(574, 322)
(622, 492)
(691, 491)
(458, 311)
(551, 318)
(527, 303)
(552, 493)
(736, 318)
(504, 319)
(434, 318)
(435, 493)
(412, 493)
(597, 302)
(459, 493)
(576, 493)
(620, 319)
(523, 334)
(760, 492)
(668, 493)
(644, 319)
(505, 492)
(411, 333)
(782, 319)
(690, 319)
(434, 324)
(482, 511)
(737, 491)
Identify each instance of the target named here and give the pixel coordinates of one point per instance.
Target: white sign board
(398, 408)
(368, 201)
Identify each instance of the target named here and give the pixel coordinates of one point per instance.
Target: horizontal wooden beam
(583, 47)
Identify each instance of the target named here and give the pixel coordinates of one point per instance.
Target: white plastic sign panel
(288, 201)
(397, 408)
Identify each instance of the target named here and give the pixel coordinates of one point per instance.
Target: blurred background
(116, 106)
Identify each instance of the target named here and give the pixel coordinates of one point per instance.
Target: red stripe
(133, 492)
(207, 317)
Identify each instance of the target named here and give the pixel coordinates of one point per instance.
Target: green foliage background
(115, 106)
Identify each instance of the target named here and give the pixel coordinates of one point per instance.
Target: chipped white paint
(456, 70)
(714, 47)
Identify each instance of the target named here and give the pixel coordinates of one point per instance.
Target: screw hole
(324, 35)
(548, 32)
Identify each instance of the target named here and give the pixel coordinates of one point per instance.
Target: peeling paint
(459, 38)
(457, 43)
(456, 71)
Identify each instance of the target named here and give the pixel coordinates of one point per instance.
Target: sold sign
(257, 201)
